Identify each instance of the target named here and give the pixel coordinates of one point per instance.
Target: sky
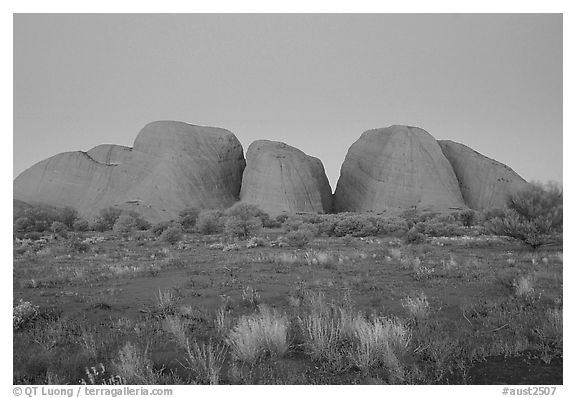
(314, 81)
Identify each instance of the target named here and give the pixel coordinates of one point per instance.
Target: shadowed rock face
(173, 165)
(280, 178)
(484, 182)
(396, 167)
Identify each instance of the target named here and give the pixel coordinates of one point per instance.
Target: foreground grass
(341, 310)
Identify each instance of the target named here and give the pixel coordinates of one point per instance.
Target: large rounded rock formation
(397, 167)
(280, 178)
(484, 182)
(173, 165)
(110, 153)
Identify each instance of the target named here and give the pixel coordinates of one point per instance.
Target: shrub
(258, 335)
(188, 217)
(209, 222)
(33, 235)
(23, 225)
(124, 224)
(23, 314)
(68, 216)
(41, 218)
(391, 225)
(414, 237)
(539, 201)
(77, 246)
(356, 226)
(281, 219)
(81, 225)
(468, 218)
(492, 213)
(159, 228)
(256, 241)
(299, 238)
(59, 228)
(172, 235)
(106, 219)
(242, 228)
(247, 211)
(534, 216)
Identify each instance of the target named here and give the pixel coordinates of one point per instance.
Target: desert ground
(307, 299)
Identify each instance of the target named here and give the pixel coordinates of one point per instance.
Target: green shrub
(172, 235)
(59, 228)
(246, 211)
(23, 314)
(125, 224)
(534, 216)
(468, 218)
(106, 219)
(299, 238)
(23, 225)
(356, 225)
(81, 225)
(391, 225)
(209, 222)
(414, 237)
(68, 216)
(242, 228)
(188, 217)
(160, 227)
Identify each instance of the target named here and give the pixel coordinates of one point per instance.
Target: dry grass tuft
(205, 361)
(524, 286)
(417, 307)
(134, 366)
(258, 335)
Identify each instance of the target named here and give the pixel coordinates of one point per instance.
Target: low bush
(468, 218)
(188, 217)
(243, 228)
(159, 228)
(23, 314)
(106, 219)
(414, 237)
(59, 228)
(172, 235)
(245, 211)
(534, 216)
(299, 238)
(129, 222)
(209, 222)
(81, 225)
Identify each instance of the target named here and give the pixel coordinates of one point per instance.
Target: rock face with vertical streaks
(397, 167)
(484, 182)
(280, 178)
(173, 165)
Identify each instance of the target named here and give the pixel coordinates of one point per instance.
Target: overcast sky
(492, 82)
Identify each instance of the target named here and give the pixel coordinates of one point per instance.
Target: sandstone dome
(172, 165)
(484, 182)
(280, 178)
(397, 167)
